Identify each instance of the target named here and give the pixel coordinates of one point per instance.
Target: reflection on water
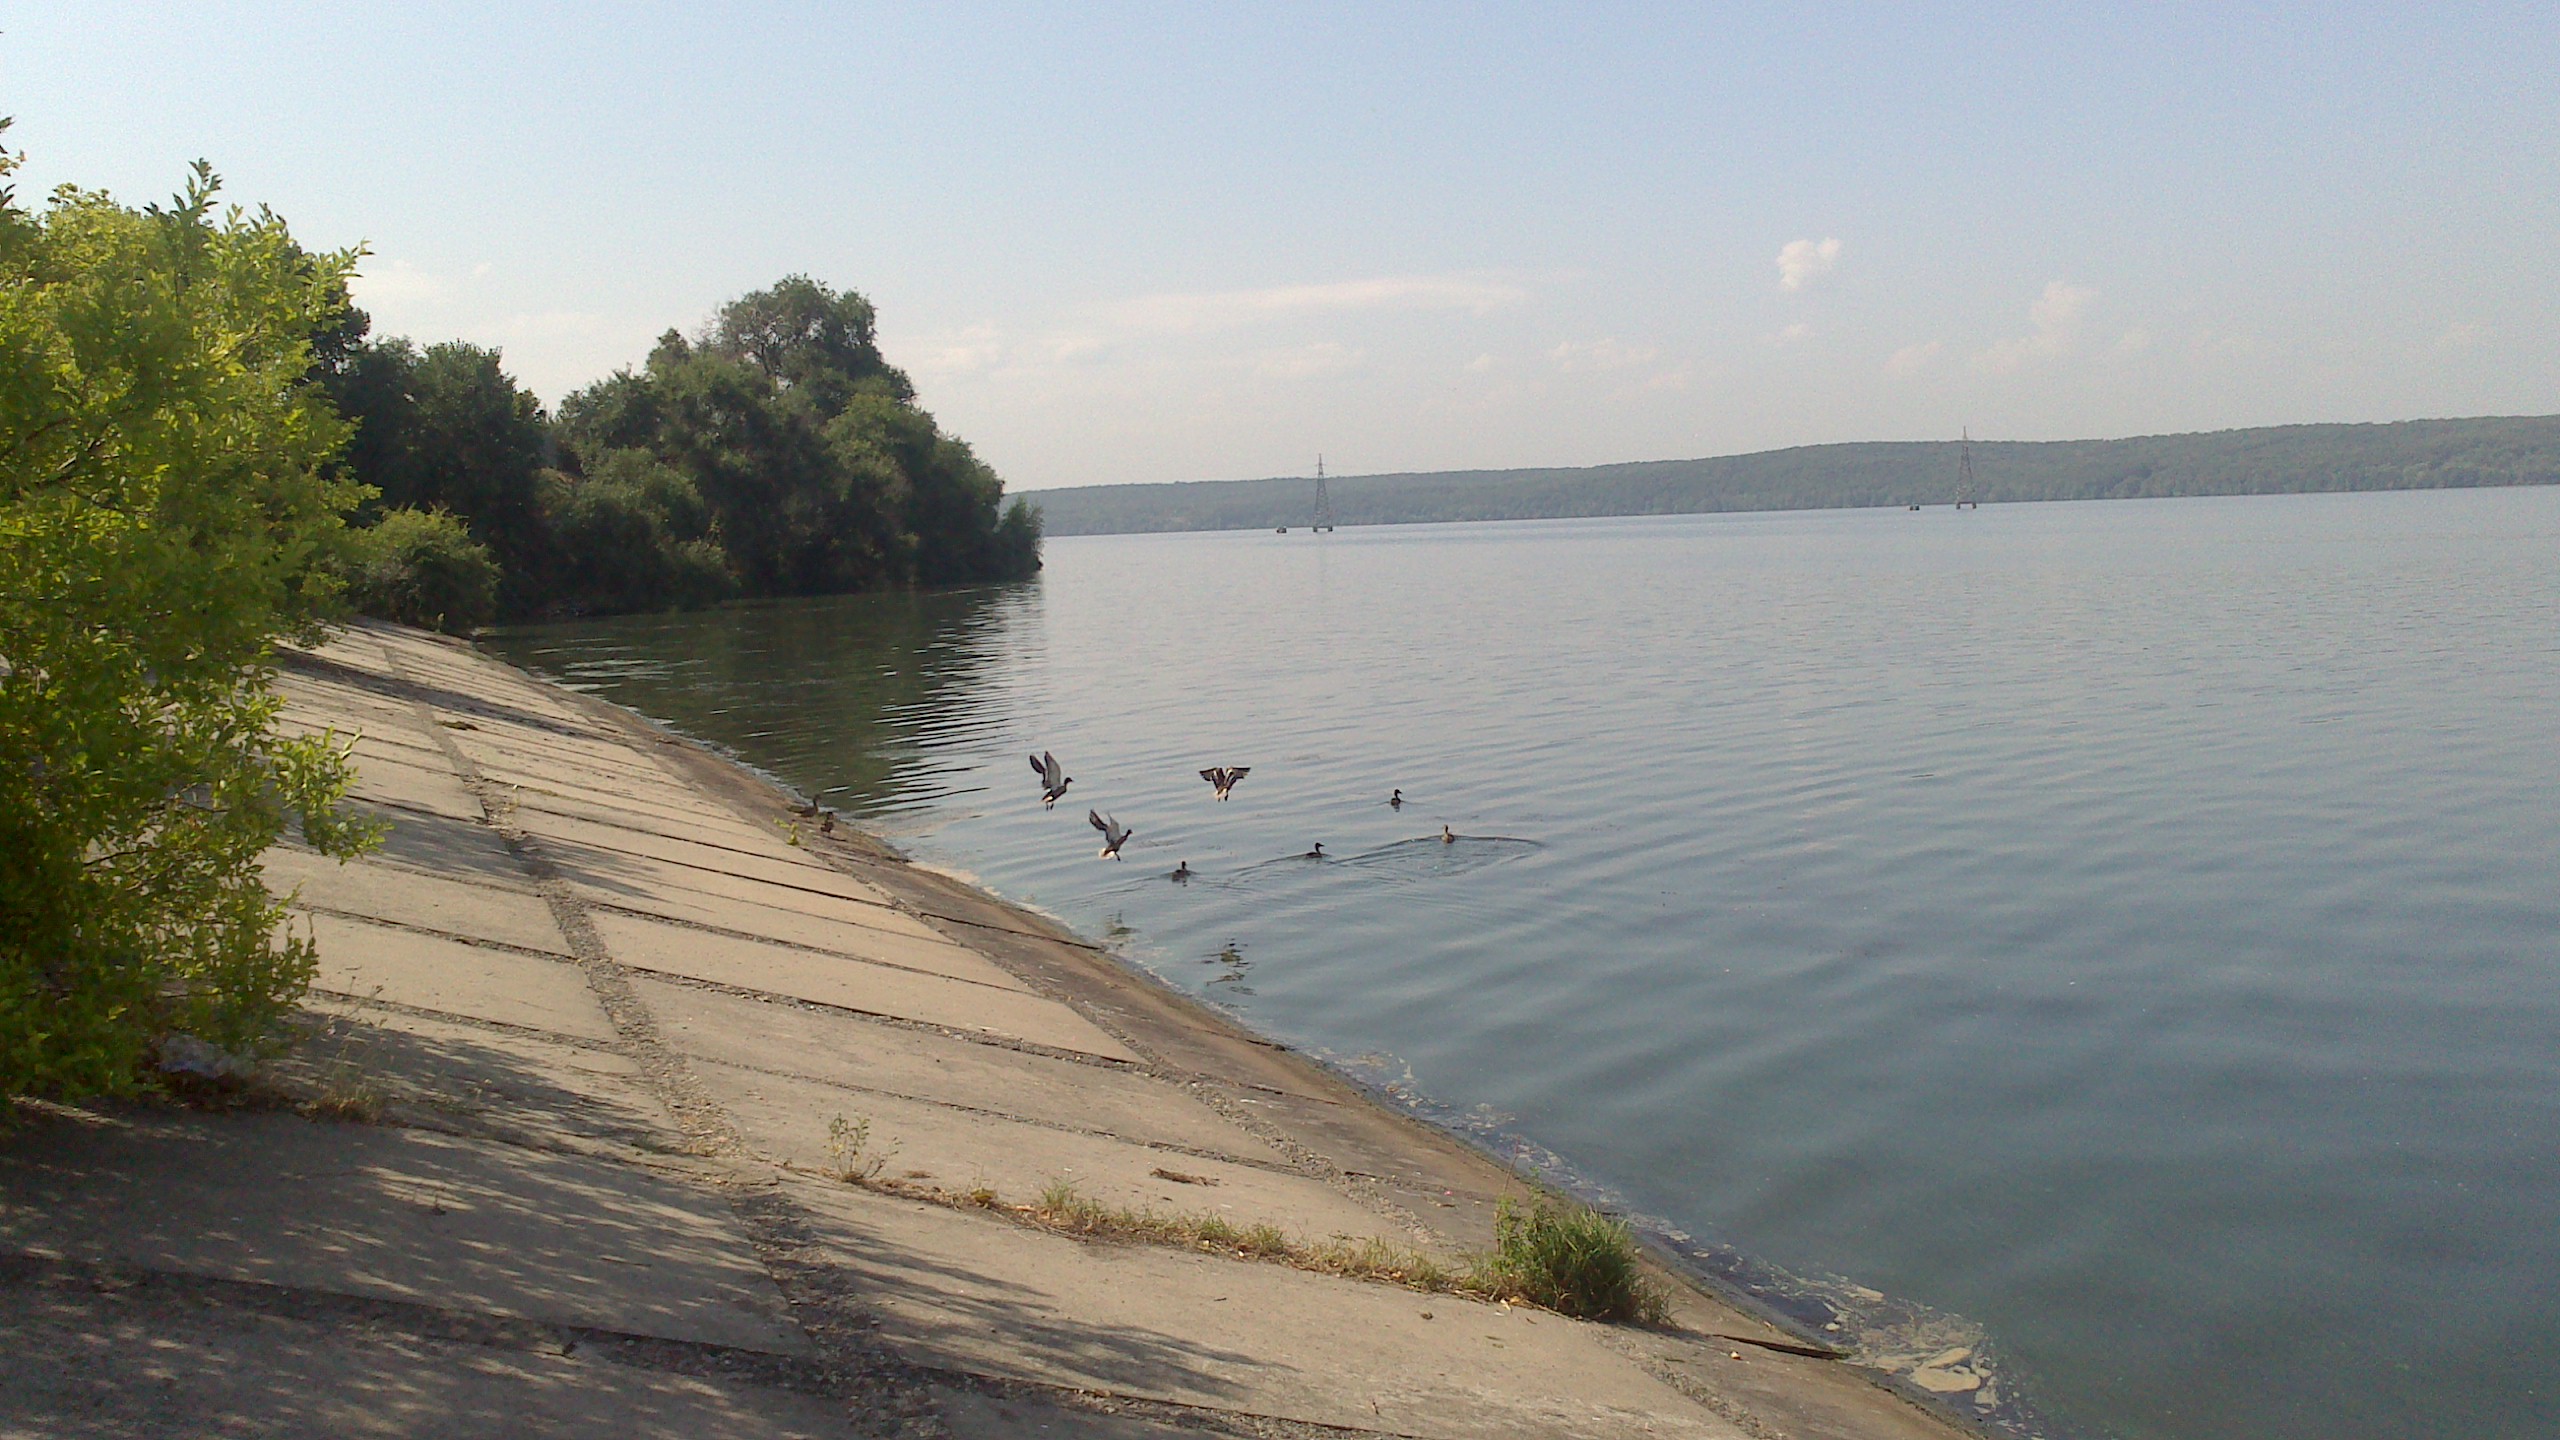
(2129, 927)
(863, 701)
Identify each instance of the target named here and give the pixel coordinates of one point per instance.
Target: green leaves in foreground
(163, 516)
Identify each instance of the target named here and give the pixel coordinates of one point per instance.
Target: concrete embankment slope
(620, 1114)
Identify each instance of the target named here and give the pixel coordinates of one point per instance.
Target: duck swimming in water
(1447, 836)
(1396, 801)
(1181, 873)
(1315, 854)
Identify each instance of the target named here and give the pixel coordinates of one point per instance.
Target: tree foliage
(421, 567)
(779, 454)
(817, 471)
(164, 509)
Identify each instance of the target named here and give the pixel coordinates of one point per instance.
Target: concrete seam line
(476, 942)
(1169, 1147)
(887, 1397)
(992, 1039)
(481, 1022)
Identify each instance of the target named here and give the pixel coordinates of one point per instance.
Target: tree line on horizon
(2290, 459)
(777, 453)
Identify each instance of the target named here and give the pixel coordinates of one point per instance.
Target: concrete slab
(506, 914)
(349, 712)
(789, 927)
(494, 1082)
(988, 1298)
(623, 771)
(930, 954)
(835, 897)
(402, 745)
(955, 1151)
(764, 854)
(525, 745)
(91, 1364)
(852, 985)
(686, 822)
(918, 1064)
(467, 849)
(435, 790)
(407, 968)
(1034, 1416)
(397, 1214)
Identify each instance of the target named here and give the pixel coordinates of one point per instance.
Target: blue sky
(1194, 242)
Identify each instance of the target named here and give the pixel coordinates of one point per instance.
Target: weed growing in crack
(850, 1142)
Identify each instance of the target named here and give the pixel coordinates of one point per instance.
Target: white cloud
(1222, 309)
(1606, 353)
(972, 351)
(1799, 331)
(1800, 262)
(1482, 365)
(1307, 362)
(2054, 322)
(1680, 379)
(2462, 335)
(1912, 359)
(398, 284)
(2134, 341)
(552, 324)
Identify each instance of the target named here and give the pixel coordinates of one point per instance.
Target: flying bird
(1113, 835)
(1223, 778)
(1054, 778)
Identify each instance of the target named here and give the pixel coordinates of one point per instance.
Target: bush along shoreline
(777, 453)
(169, 515)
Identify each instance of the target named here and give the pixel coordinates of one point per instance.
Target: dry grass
(1557, 1257)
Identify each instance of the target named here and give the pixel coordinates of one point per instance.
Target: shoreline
(618, 1109)
(1728, 1296)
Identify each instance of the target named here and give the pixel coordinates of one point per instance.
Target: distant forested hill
(2286, 459)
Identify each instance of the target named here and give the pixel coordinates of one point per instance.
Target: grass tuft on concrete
(1570, 1260)
(1557, 1257)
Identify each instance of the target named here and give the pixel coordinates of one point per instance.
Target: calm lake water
(2123, 937)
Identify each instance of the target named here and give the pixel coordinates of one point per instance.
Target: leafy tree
(804, 336)
(164, 506)
(819, 471)
(448, 429)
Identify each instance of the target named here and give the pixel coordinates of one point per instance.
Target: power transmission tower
(1964, 475)
(1324, 501)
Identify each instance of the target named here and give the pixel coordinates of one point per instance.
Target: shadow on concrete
(102, 1354)
(441, 843)
(970, 1314)
(302, 662)
(460, 1223)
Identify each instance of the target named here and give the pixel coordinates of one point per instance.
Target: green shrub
(1570, 1260)
(421, 567)
(164, 512)
(631, 534)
